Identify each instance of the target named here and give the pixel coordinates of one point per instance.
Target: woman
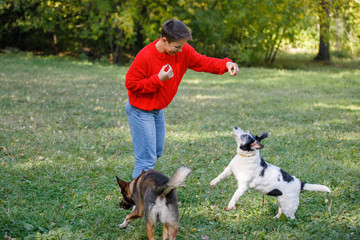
(152, 82)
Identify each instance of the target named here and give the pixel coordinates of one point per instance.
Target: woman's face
(174, 47)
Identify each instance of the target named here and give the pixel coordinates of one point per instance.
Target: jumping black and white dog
(251, 171)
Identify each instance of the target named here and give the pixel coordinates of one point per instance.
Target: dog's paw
(230, 207)
(124, 224)
(214, 182)
(121, 226)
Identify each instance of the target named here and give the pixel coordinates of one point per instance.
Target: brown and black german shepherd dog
(154, 195)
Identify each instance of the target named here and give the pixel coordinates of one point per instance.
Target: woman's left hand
(233, 68)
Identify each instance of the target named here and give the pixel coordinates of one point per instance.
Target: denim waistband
(156, 111)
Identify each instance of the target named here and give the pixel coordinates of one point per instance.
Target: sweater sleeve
(137, 79)
(202, 63)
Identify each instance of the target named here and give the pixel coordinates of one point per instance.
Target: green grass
(64, 137)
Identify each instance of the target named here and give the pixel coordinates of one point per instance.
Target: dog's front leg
(134, 214)
(125, 223)
(222, 175)
(238, 193)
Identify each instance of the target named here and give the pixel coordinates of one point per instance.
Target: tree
(242, 30)
(347, 27)
(324, 30)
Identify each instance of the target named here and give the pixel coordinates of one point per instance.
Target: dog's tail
(315, 187)
(176, 180)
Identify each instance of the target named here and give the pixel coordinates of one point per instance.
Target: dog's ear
(262, 136)
(121, 183)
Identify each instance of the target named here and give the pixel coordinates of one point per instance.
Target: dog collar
(243, 155)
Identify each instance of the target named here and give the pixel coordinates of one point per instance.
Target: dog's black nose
(235, 127)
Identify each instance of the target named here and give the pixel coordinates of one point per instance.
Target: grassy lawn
(64, 137)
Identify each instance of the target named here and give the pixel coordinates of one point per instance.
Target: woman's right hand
(165, 73)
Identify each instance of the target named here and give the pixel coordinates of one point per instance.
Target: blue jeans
(148, 136)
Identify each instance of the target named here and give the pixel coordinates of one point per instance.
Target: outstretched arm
(233, 68)
(202, 63)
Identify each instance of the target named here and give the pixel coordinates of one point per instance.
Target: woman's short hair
(174, 30)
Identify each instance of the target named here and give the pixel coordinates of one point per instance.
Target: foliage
(346, 26)
(74, 25)
(269, 29)
(242, 30)
(64, 137)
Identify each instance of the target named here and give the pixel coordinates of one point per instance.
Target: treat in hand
(166, 73)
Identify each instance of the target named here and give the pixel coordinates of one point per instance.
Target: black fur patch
(302, 185)
(264, 165)
(247, 141)
(275, 193)
(262, 136)
(287, 177)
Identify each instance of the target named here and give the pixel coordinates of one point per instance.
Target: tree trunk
(139, 43)
(324, 23)
(117, 54)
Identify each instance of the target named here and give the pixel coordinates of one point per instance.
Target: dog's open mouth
(257, 145)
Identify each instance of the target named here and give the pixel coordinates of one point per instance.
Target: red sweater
(147, 92)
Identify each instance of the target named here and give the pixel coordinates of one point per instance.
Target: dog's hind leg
(150, 229)
(288, 205)
(227, 171)
(278, 215)
(165, 232)
(172, 230)
(170, 219)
